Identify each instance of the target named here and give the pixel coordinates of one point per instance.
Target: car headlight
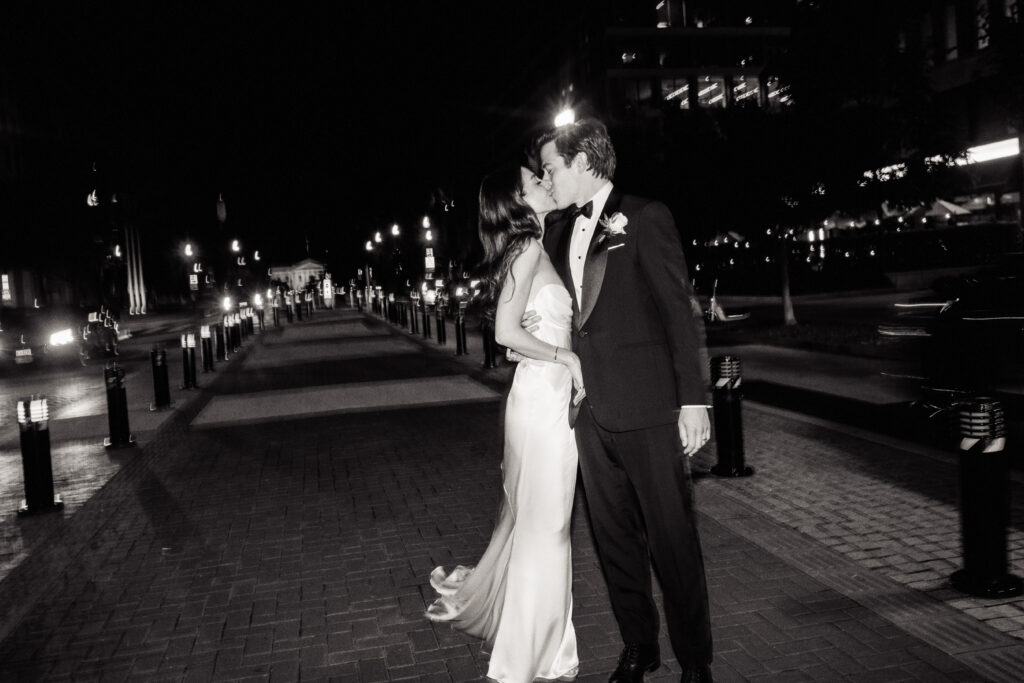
(61, 338)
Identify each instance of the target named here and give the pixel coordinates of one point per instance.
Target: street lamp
(395, 230)
(235, 246)
(377, 238)
(188, 249)
(565, 117)
(426, 221)
(369, 245)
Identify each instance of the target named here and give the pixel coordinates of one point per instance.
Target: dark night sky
(326, 118)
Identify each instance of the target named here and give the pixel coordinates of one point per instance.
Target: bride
(518, 597)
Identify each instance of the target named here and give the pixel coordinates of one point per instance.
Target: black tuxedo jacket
(638, 335)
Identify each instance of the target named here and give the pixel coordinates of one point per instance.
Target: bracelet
(556, 354)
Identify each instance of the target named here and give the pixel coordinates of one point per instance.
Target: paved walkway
(263, 535)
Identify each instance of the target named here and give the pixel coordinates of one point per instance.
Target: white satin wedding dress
(518, 598)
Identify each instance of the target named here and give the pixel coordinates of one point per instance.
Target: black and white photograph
(558, 340)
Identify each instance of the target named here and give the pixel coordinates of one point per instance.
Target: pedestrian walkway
(282, 526)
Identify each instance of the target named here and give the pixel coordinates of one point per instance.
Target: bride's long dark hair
(506, 224)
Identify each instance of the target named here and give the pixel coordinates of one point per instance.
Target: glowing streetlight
(377, 238)
(395, 230)
(235, 246)
(369, 245)
(430, 235)
(188, 249)
(256, 255)
(565, 117)
(117, 250)
(426, 221)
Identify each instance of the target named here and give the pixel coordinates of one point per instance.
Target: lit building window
(746, 91)
(676, 92)
(778, 93)
(981, 23)
(711, 92)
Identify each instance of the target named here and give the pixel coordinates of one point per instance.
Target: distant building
(298, 275)
(654, 57)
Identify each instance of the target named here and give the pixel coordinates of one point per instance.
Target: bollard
(192, 360)
(207, 348)
(984, 502)
(490, 346)
(277, 319)
(236, 333)
(34, 423)
(117, 407)
(250, 321)
(161, 387)
(260, 316)
(460, 330)
(426, 322)
(222, 344)
(240, 325)
(186, 373)
(414, 317)
(442, 333)
(728, 406)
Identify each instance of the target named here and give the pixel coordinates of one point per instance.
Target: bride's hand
(572, 361)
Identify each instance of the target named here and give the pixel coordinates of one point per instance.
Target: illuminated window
(981, 23)
(676, 92)
(746, 91)
(710, 92)
(778, 93)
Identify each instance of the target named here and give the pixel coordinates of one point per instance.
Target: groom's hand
(694, 428)
(530, 321)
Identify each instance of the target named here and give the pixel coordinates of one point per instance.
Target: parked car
(29, 336)
(971, 332)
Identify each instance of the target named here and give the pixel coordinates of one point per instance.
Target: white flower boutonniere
(613, 225)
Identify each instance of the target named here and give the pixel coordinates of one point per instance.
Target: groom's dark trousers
(640, 501)
(641, 352)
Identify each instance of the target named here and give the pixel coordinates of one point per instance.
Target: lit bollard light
(490, 346)
(728, 406)
(984, 502)
(186, 375)
(414, 318)
(222, 343)
(191, 340)
(460, 330)
(161, 385)
(442, 332)
(207, 348)
(34, 423)
(117, 407)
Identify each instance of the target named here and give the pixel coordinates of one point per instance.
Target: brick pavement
(298, 549)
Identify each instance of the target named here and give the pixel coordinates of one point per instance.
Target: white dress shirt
(582, 233)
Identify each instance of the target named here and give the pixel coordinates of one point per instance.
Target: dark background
(323, 121)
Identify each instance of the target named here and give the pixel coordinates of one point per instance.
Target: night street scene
(578, 340)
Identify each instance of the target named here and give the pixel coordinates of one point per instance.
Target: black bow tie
(587, 210)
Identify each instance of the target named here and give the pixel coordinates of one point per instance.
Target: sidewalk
(282, 525)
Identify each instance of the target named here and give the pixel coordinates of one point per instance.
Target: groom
(645, 405)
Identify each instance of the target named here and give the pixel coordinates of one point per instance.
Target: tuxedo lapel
(597, 261)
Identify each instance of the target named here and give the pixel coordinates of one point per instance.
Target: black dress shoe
(636, 660)
(696, 674)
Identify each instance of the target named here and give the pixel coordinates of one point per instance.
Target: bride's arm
(512, 303)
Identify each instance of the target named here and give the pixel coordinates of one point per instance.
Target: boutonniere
(613, 225)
